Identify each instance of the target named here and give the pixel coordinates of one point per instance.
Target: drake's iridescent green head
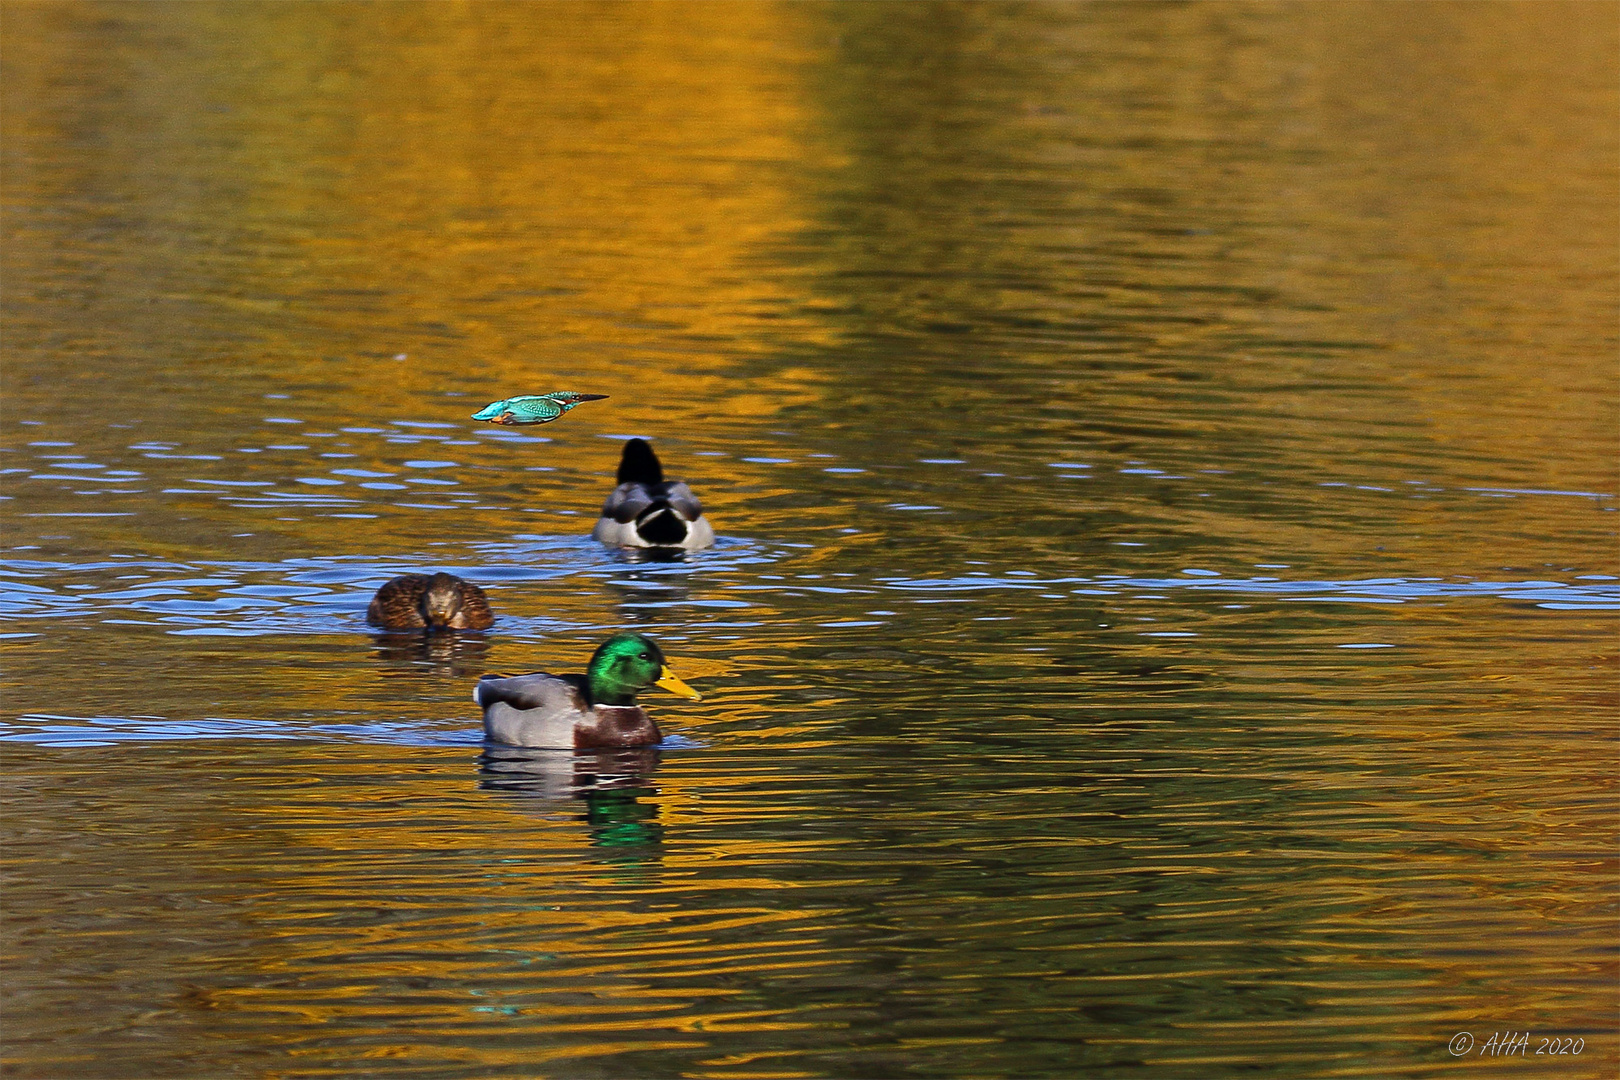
(625, 665)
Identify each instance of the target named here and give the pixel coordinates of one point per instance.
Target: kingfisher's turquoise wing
(533, 409)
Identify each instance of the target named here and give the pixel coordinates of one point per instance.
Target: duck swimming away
(593, 711)
(534, 408)
(647, 511)
(437, 602)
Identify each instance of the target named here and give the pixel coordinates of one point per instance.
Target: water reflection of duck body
(643, 598)
(458, 655)
(593, 711)
(556, 774)
(610, 783)
(437, 602)
(645, 511)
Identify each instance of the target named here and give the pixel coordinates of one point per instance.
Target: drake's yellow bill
(671, 682)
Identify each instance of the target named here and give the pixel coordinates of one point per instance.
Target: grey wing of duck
(536, 710)
(666, 514)
(682, 500)
(627, 502)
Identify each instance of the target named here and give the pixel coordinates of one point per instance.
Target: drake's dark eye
(646, 656)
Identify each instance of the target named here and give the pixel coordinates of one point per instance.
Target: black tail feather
(639, 465)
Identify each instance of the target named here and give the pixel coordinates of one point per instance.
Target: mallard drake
(437, 602)
(593, 711)
(646, 511)
(533, 408)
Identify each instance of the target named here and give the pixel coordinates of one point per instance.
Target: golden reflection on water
(946, 246)
(514, 200)
(490, 160)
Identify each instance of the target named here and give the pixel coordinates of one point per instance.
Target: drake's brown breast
(613, 726)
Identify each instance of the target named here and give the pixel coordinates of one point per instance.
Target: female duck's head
(626, 664)
(442, 600)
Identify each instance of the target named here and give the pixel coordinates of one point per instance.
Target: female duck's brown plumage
(438, 602)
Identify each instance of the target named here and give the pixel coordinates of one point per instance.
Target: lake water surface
(1165, 459)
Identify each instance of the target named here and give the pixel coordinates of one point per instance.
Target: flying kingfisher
(533, 409)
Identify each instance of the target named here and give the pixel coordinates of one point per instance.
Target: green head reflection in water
(580, 712)
(533, 409)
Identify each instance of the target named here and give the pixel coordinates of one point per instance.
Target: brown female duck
(437, 602)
